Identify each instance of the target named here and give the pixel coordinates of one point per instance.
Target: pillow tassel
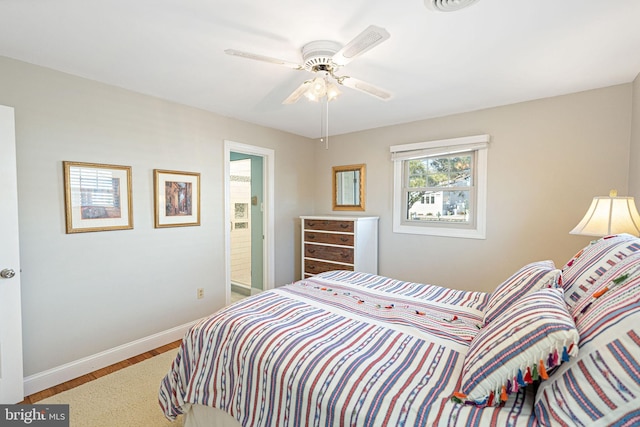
(515, 385)
(550, 361)
(491, 397)
(458, 397)
(509, 388)
(565, 354)
(521, 382)
(543, 371)
(503, 394)
(527, 376)
(479, 403)
(534, 372)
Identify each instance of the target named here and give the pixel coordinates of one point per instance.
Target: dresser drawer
(332, 239)
(329, 253)
(342, 242)
(315, 267)
(328, 225)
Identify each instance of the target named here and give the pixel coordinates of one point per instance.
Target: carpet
(125, 398)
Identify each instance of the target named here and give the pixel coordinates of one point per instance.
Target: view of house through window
(439, 188)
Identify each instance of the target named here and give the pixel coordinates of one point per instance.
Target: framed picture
(97, 197)
(177, 198)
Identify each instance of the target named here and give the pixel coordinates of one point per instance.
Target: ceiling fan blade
(366, 40)
(364, 87)
(276, 61)
(297, 94)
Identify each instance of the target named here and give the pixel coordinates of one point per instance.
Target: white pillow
(517, 348)
(531, 277)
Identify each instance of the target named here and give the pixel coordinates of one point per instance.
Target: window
(440, 187)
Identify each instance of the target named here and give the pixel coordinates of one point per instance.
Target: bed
(550, 346)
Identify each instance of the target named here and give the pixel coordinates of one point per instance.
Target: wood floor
(99, 373)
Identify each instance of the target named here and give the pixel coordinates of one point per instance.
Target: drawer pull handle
(344, 225)
(311, 236)
(311, 224)
(311, 251)
(312, 267)
(344, 239)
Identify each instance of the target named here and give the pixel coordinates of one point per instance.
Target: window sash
(471, 189)
(407, 173)
(476, 227)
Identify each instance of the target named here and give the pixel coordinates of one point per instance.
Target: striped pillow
(518, 348)
(583, 270)
(601, 386)
(531, 277)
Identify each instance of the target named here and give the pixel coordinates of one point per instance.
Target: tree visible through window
(440, 187)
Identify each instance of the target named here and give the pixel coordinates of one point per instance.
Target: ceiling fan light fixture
(317, 89)
(327, 57)
(319, 86)
(333, 92)
(447, 5)
(310, 96)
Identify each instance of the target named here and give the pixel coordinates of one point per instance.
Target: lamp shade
(609, 215)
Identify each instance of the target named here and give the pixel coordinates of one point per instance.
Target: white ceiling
(494, 52)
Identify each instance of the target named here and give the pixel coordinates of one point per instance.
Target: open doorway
(249, 219)
(246, 212)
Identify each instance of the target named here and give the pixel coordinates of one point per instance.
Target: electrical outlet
(200, 293)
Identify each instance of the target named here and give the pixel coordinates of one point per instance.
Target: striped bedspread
(337, 349)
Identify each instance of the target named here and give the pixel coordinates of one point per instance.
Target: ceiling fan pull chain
(324, 123)
(326, 103)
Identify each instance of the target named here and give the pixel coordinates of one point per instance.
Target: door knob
(7, 273)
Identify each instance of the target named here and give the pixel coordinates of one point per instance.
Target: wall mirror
(348, 187)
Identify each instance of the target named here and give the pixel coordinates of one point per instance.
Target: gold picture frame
(176, 198)
(97, 197)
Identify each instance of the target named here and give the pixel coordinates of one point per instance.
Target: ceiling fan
(326, 57)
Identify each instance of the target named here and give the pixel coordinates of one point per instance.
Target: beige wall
(89, 292)
(634, 158)
(547, 159)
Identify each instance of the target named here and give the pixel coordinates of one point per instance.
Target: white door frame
(269, 217)
(11, 365)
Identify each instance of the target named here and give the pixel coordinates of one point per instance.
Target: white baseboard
(54, 376)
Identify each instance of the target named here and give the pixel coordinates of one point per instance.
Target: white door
(11, 376)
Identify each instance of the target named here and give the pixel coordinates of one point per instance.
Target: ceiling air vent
(448, 5)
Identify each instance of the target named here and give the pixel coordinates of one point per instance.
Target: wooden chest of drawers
(339, 243)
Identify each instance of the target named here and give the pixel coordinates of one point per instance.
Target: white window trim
(399, 153)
